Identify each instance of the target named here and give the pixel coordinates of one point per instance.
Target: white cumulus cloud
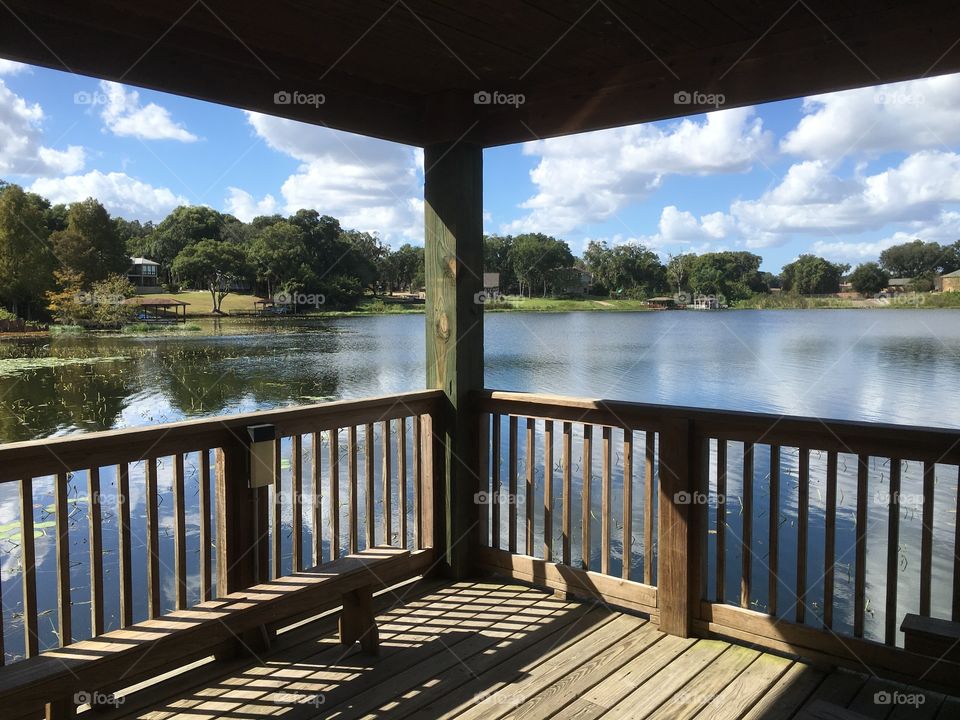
(368, 184)
(21, 148)
(900, 117)
(121, 194)
(124, 115)
(590, 177)
(246, 207)
(12, 67)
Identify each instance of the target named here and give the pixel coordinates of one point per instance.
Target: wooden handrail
(248, 523)
(39, 458)
(701, 455)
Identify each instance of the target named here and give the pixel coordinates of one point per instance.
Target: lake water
(897, 366)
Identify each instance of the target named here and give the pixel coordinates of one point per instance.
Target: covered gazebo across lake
(503, 552)
(153, 309)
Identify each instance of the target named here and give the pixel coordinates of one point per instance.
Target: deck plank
(703, 690)
(737, 696)
(554, 697)
(665, 684)
(790, 692)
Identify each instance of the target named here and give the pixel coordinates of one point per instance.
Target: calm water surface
(898, 366)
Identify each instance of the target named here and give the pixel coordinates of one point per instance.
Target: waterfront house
(493, 552)
(143, 275)
(948, 283)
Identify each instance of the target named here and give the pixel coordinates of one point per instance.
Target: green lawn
(201, 302)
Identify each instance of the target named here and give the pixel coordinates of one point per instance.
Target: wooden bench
(931, 636)
(53, 680)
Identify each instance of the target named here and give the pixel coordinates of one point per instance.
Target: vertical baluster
(418, 481)
(316, 479)
(153, 540)
(512, 487)
(830, 538)
(64, 602)
(95, 529)
(566, 508)
(125, 566)
(333, 457)
(803, 523)
(483, 483)
(206, 573)
(746, 537)
(179, 533)
(893, 551)
(387, 479)
(773, 557)
(627, 501)
(531, 464)
(548, 490)
(402, 476)
(860, 572)
(368, 456)
(495, 483)
(585, 508)
(277, 509)
(956, 555)
(650, 449)
(352, 489)
(721, 518)
(296, 501)
(29, 560)
(605, 496)
(926, 537)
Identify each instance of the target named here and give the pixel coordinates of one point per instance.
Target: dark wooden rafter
(409, 71)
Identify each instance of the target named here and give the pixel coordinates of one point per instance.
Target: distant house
(143, 275)
(900, 285)
(573, 281)
(949, 282)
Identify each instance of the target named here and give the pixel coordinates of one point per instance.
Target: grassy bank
(784, 301)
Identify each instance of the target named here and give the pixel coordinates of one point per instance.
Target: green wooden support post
(453, 223)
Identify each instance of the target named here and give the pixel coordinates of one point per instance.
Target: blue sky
(842, 175)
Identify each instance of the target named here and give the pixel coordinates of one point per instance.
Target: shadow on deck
(492, 649)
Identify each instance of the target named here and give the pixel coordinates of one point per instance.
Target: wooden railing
(135, 523)
(798, 534)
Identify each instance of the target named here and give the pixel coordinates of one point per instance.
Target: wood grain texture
(95, 549)
(29, 562)
(64, 598)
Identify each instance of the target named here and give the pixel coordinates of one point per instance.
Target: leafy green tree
(629, 269)
(401, 267)
(534, 256)
(812, 275)
(678, 269)
(733, 275)
(214, 265)
(185, 225)
(90, 244)
(916, 259)
(363, 258)
(26, 262)
(496, 259)
(869, 278)
(279, 258)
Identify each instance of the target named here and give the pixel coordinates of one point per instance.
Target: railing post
(239, 511)
(680, 502)
(453, 265)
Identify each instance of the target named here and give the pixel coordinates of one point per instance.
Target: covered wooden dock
(446, 466)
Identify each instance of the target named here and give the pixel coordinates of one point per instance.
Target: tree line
(50, 253)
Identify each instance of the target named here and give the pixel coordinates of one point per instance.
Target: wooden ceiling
(409, 70)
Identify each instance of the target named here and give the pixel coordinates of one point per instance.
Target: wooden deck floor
(494, 650)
